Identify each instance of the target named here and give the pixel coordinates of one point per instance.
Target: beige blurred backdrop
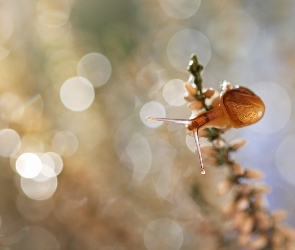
(80, 166)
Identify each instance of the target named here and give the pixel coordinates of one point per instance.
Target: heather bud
(236, 144)
(279, 215)
(238, 169)
(253, 173)
(195, 105)
(190, 89)
(224, 187)
(209, 92)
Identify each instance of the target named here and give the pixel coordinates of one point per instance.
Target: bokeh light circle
(285, 159)
(53, 14)
(53, 19)
(140, 155)
(77, 93)
(65, 143)
(183, 44)
(281, 193)
(180, 9)
(153, 109)
(277, 107)
(15, 110)
(33, 109)
(190, 143)
(9, 142)
(39, 189)
(96, 68)
(163, 234)
(233, 33)
(173, 92)
(28, 165)
(49, 163)
(32, 144)
(58, 162)
(38, 238)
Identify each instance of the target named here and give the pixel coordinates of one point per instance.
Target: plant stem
(195, 68)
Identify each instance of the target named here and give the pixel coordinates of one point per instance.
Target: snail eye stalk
(195, 132)
(181, 121)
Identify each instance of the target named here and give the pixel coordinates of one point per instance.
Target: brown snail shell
(242, 107)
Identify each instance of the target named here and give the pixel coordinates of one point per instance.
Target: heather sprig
(256, 227)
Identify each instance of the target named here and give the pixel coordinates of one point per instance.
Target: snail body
(239, 107)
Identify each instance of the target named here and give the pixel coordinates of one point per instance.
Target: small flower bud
(277, 239)
(210, 160)
(228, 209)
(287, 231)
(259, 202)
(236, 144)
(247, 226)
(253, 173)
(190, 89)
(209, 92)
(224, 187)
(289, 245)
(188, 97)
(259, 242)
(279, 215)
(225, 85)
(260, 215)
(195, 105)
(238, 169)
(229, 86)
(243, 239)
(218, 143)
(264, 225)
(262, 189)
(243, 203)
(203, 133)
(245, 188)
(239, 219)
(263, 221)
(207, 150)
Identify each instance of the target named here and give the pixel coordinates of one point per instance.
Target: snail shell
(242, 107)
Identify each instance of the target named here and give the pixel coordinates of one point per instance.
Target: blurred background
(80, 166)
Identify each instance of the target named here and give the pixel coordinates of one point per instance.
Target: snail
(239, 107)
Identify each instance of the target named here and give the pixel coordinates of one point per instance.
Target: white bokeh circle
(277, 107)
(77, 93)
(152, 109)
(173, 92)
(285, 159)
(180, 9)
(163, 234)
(9, 142)
(28, 165)
(183, 44)
(96, 68)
